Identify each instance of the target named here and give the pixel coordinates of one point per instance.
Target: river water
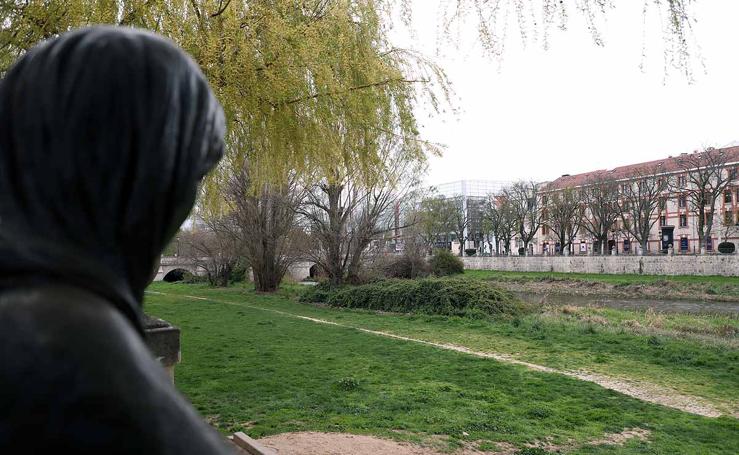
(666, 306)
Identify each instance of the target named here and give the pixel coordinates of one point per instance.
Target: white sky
(578, 107)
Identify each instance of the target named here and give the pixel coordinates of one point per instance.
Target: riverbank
(625, 286)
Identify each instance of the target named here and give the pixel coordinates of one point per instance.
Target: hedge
(449, 297)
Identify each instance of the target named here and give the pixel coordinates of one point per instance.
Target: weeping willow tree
(534, 20)
(305, 84)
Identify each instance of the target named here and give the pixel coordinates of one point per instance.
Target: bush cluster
(448, 297)
(407, 265)
(444, 263)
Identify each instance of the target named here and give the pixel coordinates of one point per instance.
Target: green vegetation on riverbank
(250, 368)
(446, 297)
(708, 288)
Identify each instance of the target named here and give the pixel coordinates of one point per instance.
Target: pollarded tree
(525, 203)
(702, 180)
(639, 203)
(564, 212)
(265, 226)
(600, 195)
(456, 217)
(499, 223)
(345, 210)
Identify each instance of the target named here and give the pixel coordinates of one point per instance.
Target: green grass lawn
(263, 372)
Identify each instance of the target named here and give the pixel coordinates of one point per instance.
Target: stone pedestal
(163, 340)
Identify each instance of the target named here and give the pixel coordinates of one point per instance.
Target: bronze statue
(105, 134)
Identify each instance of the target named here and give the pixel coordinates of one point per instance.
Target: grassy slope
(268, 373)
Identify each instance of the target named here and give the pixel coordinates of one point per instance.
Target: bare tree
(702, 180)
(456, 211)
(432, 223)
(266, 226)
(639, 203)
(211, 246)
(344, 213)
(525, 203)
(563, 215)
(498, 223)
(600, 195)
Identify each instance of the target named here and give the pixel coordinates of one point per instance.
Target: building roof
(666, 165)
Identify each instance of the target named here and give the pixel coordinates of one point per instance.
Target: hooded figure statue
(105, 134)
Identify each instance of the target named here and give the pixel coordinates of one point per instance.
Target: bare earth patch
(316, 443)
(620, 439)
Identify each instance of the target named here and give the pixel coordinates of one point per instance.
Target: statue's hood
(105, 134)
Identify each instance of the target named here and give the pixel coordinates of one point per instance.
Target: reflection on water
(667, 306)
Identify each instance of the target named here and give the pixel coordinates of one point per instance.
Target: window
(662, 203)
(727, 197)
(683, 220)
(681, 181)
(728, 217)
(732, 174)
(627, 245)
(709, 244)
(682, 201)
(662, 220)
(544, 229)
(683, 243)
(709, 219)
(624, 188)
(544, 200)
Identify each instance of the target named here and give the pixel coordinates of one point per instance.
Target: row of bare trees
(600, 207)
(606, 204)
(338, 221)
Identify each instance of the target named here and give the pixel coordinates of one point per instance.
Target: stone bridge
(169, 264)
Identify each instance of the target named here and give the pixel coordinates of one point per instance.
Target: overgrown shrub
(444, 263)
(239, 272)
(448, 297)
(407, 265)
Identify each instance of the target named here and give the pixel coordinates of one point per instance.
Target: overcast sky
(577, 107)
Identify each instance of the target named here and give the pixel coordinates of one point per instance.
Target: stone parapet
(700, 265)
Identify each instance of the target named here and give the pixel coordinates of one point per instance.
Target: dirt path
(644, 391)
(315, 443)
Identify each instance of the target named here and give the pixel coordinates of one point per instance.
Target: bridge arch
(178, 274)
(169, 264)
